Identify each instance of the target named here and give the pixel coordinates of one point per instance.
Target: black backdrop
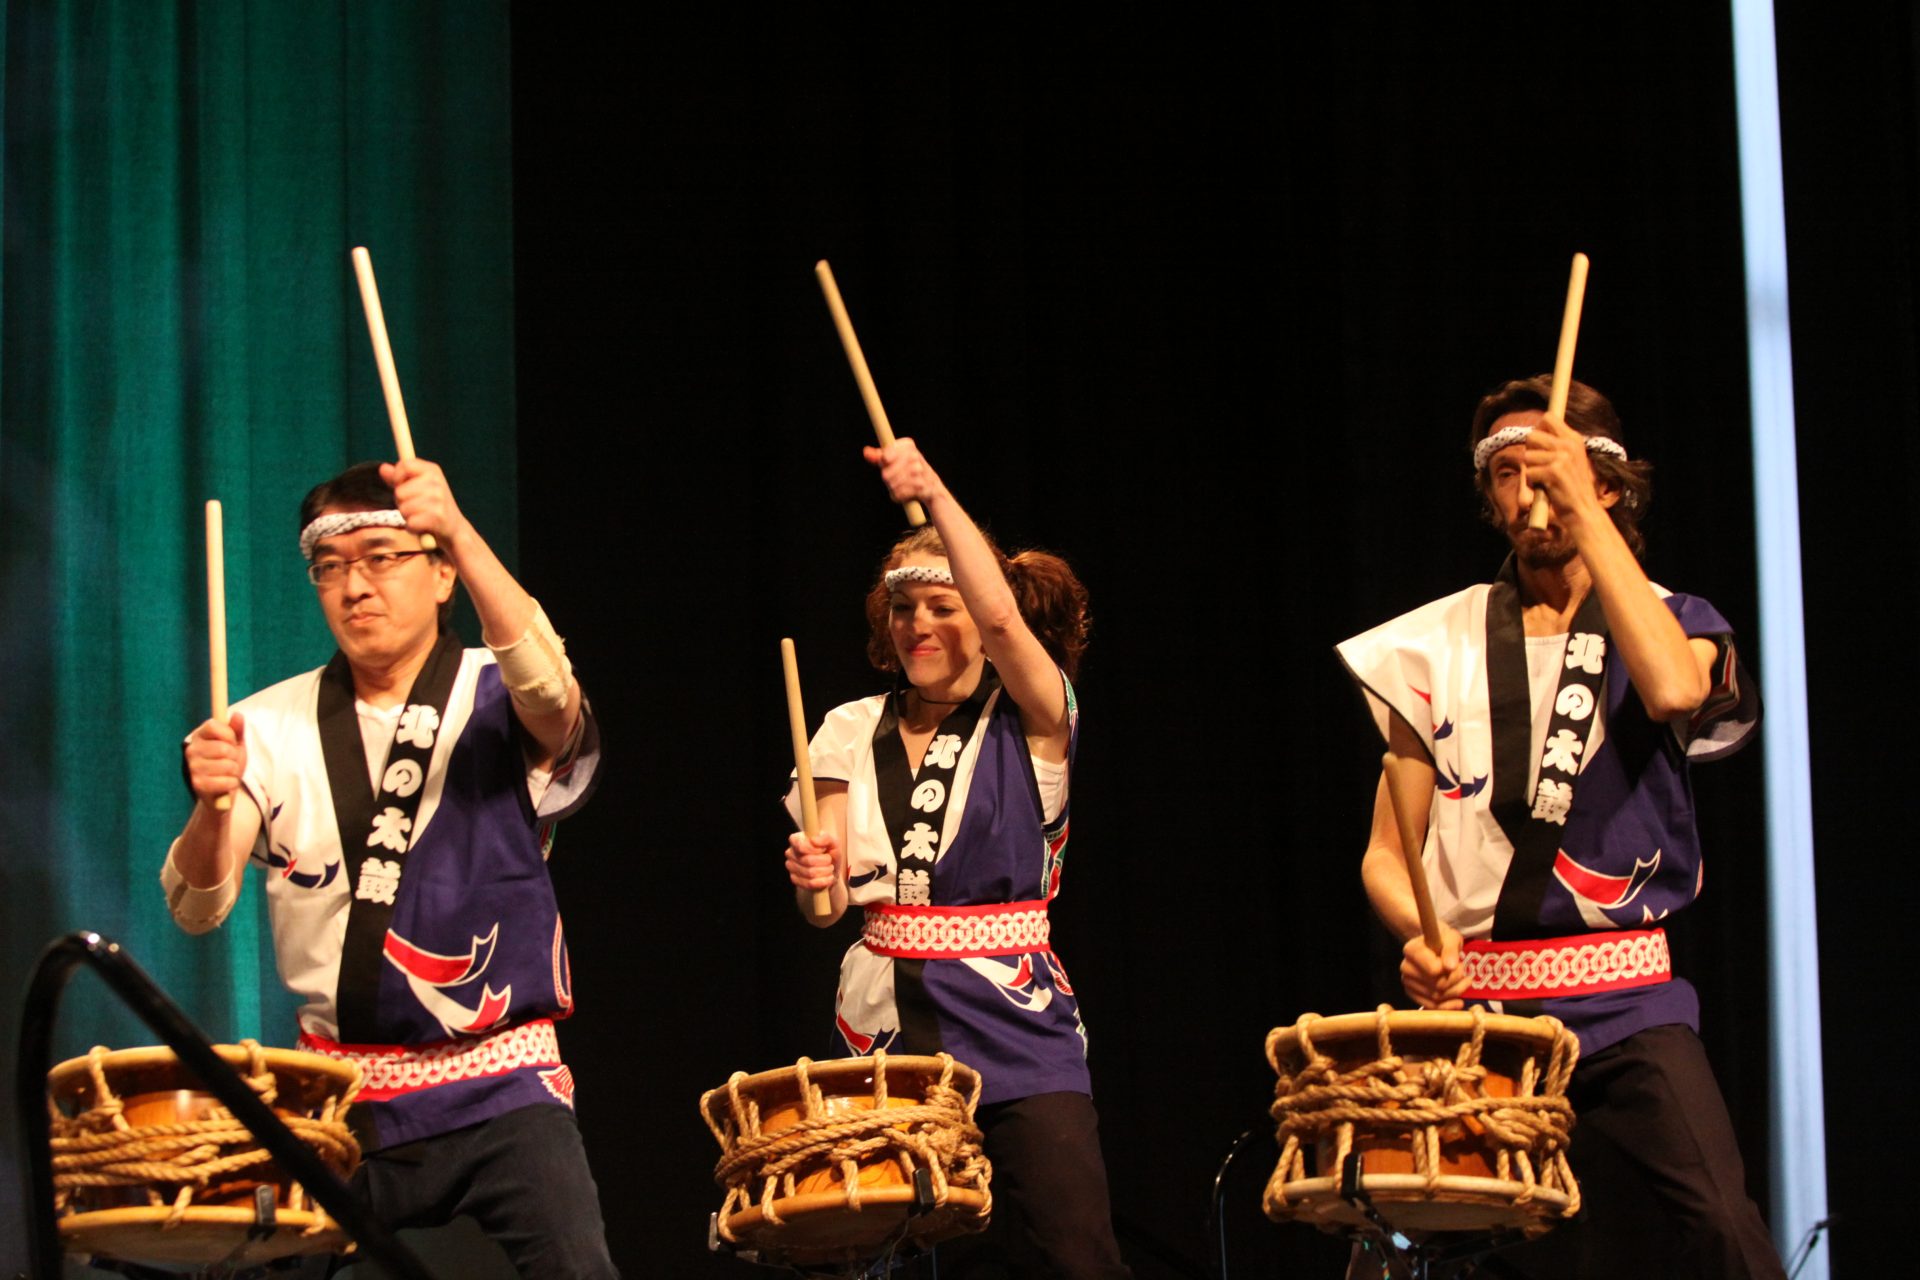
(1202, 302)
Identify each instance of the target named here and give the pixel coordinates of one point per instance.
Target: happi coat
(1615, 846)
(1012, 1017)
(446, 992)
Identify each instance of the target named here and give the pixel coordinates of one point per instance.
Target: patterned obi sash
(1584, 965)
(957, 933)
(389, 1071)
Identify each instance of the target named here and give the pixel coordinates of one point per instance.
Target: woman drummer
(943, 807)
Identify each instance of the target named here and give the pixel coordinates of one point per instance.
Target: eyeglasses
(375, 564)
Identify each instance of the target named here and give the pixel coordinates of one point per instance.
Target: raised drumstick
(383, 359)
(217, 623)
(916, 514)
(803, 763)
(1562, 370)
(1410, 788)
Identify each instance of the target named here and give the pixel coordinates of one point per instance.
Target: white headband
(340, 522)
(896, 578)
(1507, 436)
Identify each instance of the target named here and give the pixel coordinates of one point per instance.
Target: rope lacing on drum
(936, 1134)
(99, 1148)
(1425, 1100)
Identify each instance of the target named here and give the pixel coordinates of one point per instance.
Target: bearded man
(1561, 706)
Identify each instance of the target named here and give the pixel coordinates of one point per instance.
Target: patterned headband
(897, 578)
(339, 522)
(1506, 436)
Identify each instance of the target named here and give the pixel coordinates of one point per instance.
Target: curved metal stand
(141, 994)
(1216, 1206)
(1405, 1259)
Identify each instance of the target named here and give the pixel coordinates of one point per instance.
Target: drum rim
(750, 1217)
(1392, 1184)
(73, 1079)
(1542, 1033)
(835, 1071)
(963, 1212)
(198, 1214)
(103, 1231)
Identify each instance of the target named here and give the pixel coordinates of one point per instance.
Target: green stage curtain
(178, 322)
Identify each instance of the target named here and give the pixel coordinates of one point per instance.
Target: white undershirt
(1544, 657)
(1052, 777)
(377, 725)
(1049, 774)
(376, 733)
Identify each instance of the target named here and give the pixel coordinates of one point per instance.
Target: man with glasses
(402, 800)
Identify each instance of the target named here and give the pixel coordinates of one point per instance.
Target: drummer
(1561, 705)
(425, 943)
(980, 721)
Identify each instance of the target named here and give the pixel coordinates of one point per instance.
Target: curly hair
(1051, 599)
(1589, 413)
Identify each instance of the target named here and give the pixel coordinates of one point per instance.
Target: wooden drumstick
(1410, 788)
(916, 514)
(1562, 370)
(217, 623)
(803, 763)
(383, 359)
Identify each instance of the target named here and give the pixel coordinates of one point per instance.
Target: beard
(1548, 548)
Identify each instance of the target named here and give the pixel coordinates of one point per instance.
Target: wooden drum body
(1461, 1120)
(148, 1169)
(820, 1160)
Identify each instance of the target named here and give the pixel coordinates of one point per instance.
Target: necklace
(902, 692)
(910, 716)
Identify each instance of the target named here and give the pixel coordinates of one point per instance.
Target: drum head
(908, 1077)
(304, 1081)
(1425, 1032)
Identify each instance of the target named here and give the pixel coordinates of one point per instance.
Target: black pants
(1050, 1212)
(1662, 1186)
(522, 1176)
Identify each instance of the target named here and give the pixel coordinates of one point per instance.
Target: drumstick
(217, 623)
(803, 763)
(383, 359)
(1410, 788)
(1562, 370)
(916, 514)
